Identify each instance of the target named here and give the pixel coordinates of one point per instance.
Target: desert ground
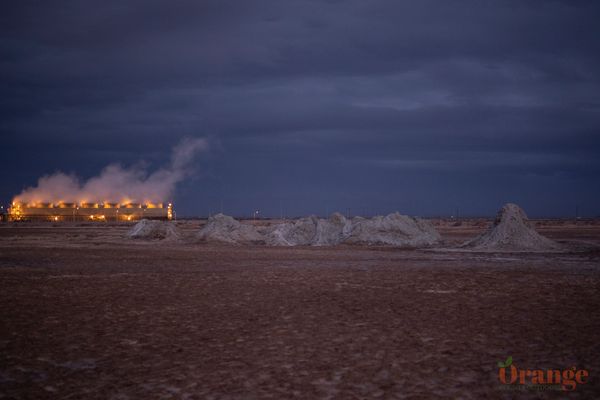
(87, 314)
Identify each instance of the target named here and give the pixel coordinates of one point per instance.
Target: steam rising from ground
(117, 184)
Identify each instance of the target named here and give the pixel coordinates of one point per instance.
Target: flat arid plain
(87, 314)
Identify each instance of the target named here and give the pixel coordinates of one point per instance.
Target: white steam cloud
(117, 184)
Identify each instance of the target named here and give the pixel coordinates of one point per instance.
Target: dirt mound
(147, 229)
(393, 229)
(223, 228)
(511, 231)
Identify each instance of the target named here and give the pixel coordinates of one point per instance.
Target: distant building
(88, 211)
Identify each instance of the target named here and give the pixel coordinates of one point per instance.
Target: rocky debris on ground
(223, 228)
(152, 230)
(511, 231)
(393, 229)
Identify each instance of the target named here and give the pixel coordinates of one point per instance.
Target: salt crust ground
(86, 314)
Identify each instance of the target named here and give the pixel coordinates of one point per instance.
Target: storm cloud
(313, 106)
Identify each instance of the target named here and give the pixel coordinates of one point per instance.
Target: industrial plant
(99, 212)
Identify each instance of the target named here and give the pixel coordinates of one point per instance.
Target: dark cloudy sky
(312, 106)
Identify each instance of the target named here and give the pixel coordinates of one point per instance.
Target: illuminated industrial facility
(84, 211)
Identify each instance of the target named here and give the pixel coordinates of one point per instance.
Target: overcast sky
(424, 107)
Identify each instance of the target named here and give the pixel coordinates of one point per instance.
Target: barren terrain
(87, 314)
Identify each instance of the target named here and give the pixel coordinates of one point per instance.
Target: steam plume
(117, 184)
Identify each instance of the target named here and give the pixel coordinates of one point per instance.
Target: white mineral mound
(393, 229)
(299, 233)
(223, 228)
(511, 231)
(334, 230)
(310, 231)
(147, 229)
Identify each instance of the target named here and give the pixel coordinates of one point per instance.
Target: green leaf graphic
(505, 364)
